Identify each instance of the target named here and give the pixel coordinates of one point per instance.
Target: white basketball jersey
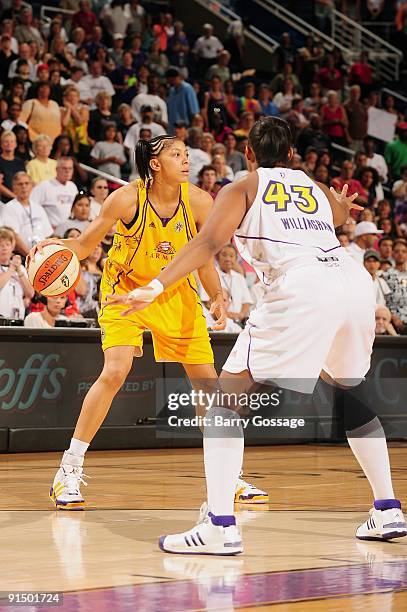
(289, 221)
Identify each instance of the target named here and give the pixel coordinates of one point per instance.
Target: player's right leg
(65, 490)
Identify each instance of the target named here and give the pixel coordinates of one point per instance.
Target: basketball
(55, 271)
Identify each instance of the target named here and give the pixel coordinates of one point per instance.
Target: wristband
(155, 288)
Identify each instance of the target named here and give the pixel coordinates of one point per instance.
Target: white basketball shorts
(314, 317)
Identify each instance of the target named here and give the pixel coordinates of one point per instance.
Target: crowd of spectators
(86, 86)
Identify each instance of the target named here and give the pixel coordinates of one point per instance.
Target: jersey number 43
(280, 196)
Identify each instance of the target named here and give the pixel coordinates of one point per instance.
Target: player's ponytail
(146, 150)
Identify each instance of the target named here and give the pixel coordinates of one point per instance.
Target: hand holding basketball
(53, 269)
(38, 248)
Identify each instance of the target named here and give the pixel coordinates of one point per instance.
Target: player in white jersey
(317, 319)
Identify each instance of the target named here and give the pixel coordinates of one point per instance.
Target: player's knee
(114, 374)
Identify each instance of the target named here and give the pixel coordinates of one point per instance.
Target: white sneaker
(65, 490)
(247, 493)
(204, 539)
(383, 525)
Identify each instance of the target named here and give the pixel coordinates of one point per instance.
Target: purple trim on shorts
(249, 326)
(284, 242)
(387, 504)
(222, 521)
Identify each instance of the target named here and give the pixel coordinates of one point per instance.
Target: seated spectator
(334, 120)
(354, 186)
(296, 118)
(78, 37)
(207, 49)
(343, 237)
(92, 268)
(14, 113)
(45, 319)
(369, 179)
(151, 98)
(234, 283)
(267, 106)
(197, 157)
(157, 60)
(361, 74)
(124, 77)
(99, 190)
(384, 209)
(182, 101)
(126, 119)
(386, 248)
(247, 121)
(310, 161)
(77, 81)
(234, 159)
(180, 130)
(329, 77)
(133, 135)
(357, 118)
(214, 104)
(14, 284)
(42, 115)
(365, 236)
(42, 167)
(231, 326)
(396, 278)
(399, 191)
(85, 18)
(57, 194)
(24, 53)
(208, 141)
(75, 118)
(366, 215)
(221, 68)
(384, 325)
(375, 160)
(108, 155)
(224, 174)
(321, 175)
(248, 102)
(388, 227)
(23, 150)
(396, 151)
(97, 82)
(63, 148)
(389, 105)
(24, 215)
(9, 164)
(101, 116)
(313, 103)
(313, 136)
(277, 84)
(79, 218)
(371, 261)
(386, 264)
(207, 180)
(284, 98)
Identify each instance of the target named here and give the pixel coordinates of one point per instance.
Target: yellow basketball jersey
(143, 247)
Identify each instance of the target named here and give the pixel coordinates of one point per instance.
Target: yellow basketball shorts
(175, 319)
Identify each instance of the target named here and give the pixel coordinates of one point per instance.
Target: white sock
(78, 448)
(223, 456)
(368, 444)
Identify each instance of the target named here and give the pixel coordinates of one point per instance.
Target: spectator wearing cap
(396, 278)
(371, 261)
(9, 164)
(396, 151)
(116, 51)
(25, 216)
(384, 325)
(357, 118)
(182, 101)
(151, 98)
(221, 68)
(26, 32)
(207, 49)
(7, 56)
(57, 194)
(365, 236)
(97, 82)
(147, 122)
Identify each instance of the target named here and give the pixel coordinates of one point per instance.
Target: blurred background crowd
(79, 89)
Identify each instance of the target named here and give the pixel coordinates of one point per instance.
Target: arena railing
(105, 175)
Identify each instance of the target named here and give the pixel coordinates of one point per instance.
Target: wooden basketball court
(300, 550)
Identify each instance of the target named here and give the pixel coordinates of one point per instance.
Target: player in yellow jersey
(155, 216)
